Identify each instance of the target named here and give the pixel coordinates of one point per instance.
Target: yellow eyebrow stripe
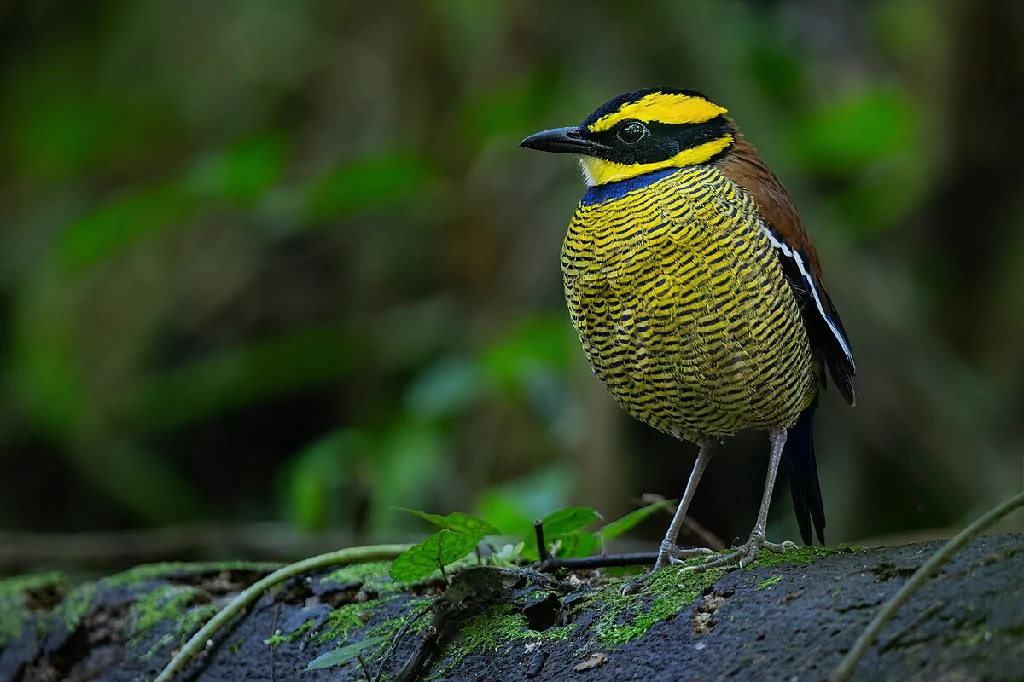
(601, 171)
(663, 108)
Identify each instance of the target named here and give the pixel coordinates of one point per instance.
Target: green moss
(139, 574)
(14, 596)
(75, 605)
(28, 583)
(669, 591)
(414, 615)
(175, 603)
(420, 624)
(375, 578)
(796, 555)
(666, 592)
(146, 612)
(277, 638)
(373, 575)
(768, 582)
(387, 623)
(162, 603)
(501, 625)
(342, 619)
(193, 619)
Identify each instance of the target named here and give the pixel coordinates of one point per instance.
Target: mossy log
(787, 617)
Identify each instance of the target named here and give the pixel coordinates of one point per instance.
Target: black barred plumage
(696, 292)
(684, 310)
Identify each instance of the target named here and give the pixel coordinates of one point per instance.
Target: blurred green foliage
(284, 261)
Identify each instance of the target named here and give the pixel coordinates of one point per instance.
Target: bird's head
(641, 132)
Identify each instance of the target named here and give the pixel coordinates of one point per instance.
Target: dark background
(283, 264)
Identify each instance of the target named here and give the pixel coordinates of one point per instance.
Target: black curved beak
(560, 141)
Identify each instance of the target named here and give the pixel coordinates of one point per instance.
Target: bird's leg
(669, 550)
(746, 553)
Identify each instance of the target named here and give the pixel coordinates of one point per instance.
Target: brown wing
(799, 260)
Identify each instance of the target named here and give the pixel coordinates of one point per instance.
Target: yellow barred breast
(683, 309)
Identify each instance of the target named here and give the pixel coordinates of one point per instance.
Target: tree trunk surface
(788, 617)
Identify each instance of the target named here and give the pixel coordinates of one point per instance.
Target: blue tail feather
(803, 476)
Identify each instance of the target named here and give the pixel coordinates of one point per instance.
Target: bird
(698, 295)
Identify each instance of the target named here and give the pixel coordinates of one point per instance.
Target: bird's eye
(632, 132)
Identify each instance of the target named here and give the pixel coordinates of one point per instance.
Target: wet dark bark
(774, 622)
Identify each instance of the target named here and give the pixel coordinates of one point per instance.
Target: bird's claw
(780, 548)
(743, 555)
(671, 553)
(689, 554)
(634, 585)
(668, 553)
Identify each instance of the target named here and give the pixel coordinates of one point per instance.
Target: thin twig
(600, 561)
(844, 670)
(542, 548)
(710, 540)
(412, 667)
(366, 671)
(200, 640)
(395, 639)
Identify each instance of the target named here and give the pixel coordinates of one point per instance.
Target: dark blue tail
(803, 476)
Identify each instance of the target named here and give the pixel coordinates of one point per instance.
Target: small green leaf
(438, 550)
(578, 544)
(633, 519)
(344, 654)
(568, 520)
(457, 522)
(558, 524)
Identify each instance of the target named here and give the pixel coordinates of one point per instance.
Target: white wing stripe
(795, 255)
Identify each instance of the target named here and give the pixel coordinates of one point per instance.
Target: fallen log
(786, 617)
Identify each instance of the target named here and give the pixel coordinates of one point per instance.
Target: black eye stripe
(661, 141)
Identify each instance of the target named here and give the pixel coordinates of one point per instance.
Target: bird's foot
(634, 585)
(742, 555)
(672, 553)
(668, 553)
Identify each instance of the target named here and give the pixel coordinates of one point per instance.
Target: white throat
(585, 171)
